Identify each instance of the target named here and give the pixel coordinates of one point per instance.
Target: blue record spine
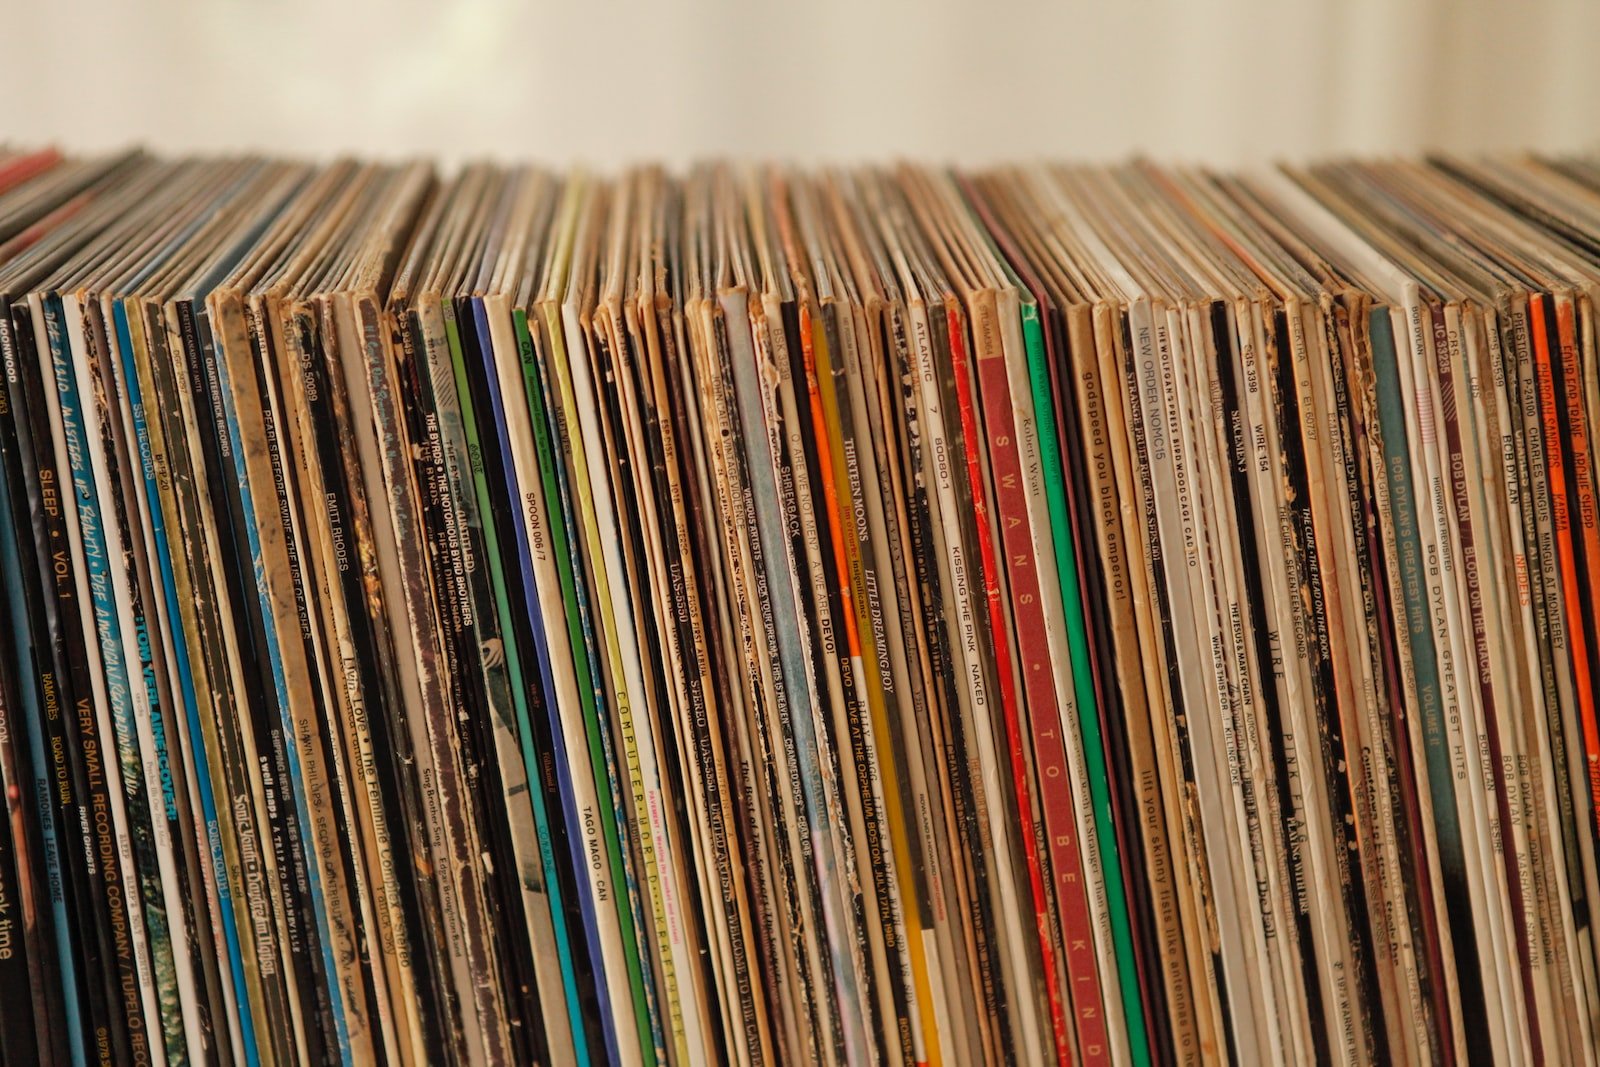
(222, 396)
(542, 653)
(148, 906)
(198, 766)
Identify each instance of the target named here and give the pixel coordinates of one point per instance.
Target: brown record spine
(1175, 708)
(385, 748)
(408, 789)
(1450, 361)
(1549, 917)
(731, 653)
(446, 775)
(438, 800)
(312, 705)
(777, 883)
(1336, 511)
(1228, 524)
(1296, 435)
(1386, 835)
(773, 562)
(667, 404)
(269, 723)
(242, 843)
(1541, 922)
(780, 348)
(1117, 355)
(676, 664)
(25, 1025)
(477, 824)
(961, 727)
(358, 687)
(922, 803)
(791, 967)
(1094, 443)
(823, 386)
(939, 670)
(900, 900)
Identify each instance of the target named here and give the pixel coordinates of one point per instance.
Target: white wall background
(1224, 81)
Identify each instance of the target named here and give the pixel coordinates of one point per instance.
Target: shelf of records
(757, 615)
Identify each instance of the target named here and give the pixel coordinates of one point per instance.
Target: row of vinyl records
(757, 615)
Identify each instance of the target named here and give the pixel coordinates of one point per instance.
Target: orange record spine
(1569, 575)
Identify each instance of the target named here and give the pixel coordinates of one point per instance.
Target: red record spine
(1002, 649)
(1038, 680)
(22, 168)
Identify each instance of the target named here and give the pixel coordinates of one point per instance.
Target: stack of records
(761, 616)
